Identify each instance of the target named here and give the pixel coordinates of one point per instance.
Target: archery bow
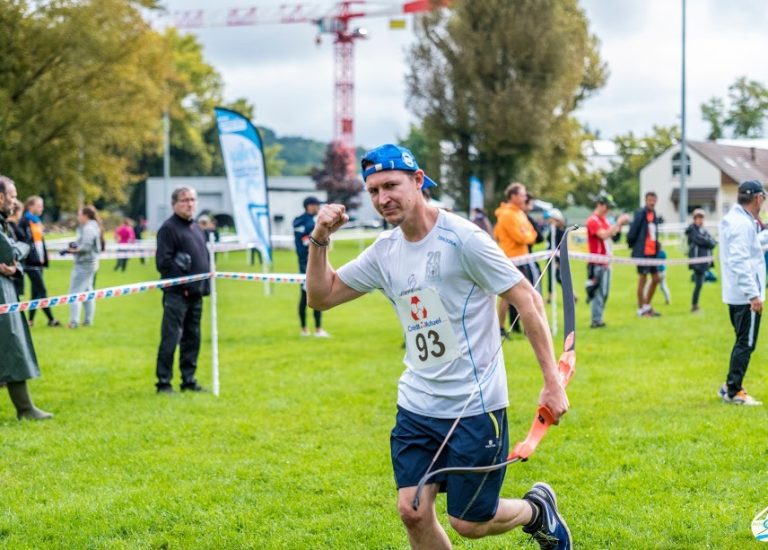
(544, 417)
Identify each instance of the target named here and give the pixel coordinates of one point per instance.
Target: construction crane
(335, 21)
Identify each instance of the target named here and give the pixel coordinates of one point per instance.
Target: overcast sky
(289, 79)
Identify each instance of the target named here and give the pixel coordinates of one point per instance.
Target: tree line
(494, 85)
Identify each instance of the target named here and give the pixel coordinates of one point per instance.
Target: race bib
(429, 337)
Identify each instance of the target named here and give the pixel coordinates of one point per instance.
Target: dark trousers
(698, 280)
(121, 264)
(528, 273)
(181, 327)
(746, 325)
(303, 311)
(38, 292)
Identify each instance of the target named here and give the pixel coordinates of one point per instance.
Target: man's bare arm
(324, 288)
(530, 306)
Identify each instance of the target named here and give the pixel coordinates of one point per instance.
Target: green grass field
(295, 451)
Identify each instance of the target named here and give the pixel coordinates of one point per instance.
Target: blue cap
(392, 157)
(751, 187)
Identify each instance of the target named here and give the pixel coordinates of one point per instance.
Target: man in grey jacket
(86, 263)
(743, 270)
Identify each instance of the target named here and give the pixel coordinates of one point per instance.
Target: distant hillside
(300, 154)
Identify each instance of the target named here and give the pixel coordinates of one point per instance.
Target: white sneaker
(643, 310)
(722, 393)
(304, 332)
(743, 398)
(320, 333)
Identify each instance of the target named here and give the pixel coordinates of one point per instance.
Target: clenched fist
(330, 218)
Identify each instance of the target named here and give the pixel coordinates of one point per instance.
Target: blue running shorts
(479, 440)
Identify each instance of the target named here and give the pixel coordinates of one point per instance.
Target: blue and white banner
(476, 193)
(246, 172)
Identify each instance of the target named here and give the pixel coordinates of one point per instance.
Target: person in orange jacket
(514, 233)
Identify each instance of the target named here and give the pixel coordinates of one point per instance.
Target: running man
(442, 274)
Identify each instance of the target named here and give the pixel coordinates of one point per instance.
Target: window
(676, 164)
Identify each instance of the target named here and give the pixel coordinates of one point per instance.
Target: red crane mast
(335, 21)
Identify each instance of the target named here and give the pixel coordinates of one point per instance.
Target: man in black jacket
(181, 250)
(643, 238)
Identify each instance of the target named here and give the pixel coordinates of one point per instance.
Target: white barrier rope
(294, 278)
(297, 278)
(99, 294)
(142, 251)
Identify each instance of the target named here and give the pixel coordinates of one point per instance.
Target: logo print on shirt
(411, 283)
(433, 266)
(418, 311)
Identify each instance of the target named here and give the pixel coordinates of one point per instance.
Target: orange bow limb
(544, 417)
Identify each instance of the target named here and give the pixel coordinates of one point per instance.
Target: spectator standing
(643, 239)
(124, 234)
(743, 287)
(13, 223)
(533, 266)
(601, 235)
(555, 221)
(86, 262)
(18, 361)
(208, 225)
(181, 250)
(514, 233)
(138, 230)
(302, 229)
(700, 245)
(480, 219)
(32, 232)
(662, 255)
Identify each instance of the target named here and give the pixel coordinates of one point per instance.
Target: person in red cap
(442, 274)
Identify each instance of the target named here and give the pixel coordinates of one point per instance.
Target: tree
(82, 84)
(498, 80)
(427, 154)
(749, 105)
(194, 89)
(334, 179)
(713, 112)
(623, 182)
(745, 114)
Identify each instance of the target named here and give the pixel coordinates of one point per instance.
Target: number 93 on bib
(429, 337)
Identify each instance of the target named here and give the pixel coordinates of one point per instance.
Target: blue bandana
(392, 157)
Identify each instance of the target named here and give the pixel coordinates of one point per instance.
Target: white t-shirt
(456, 271)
